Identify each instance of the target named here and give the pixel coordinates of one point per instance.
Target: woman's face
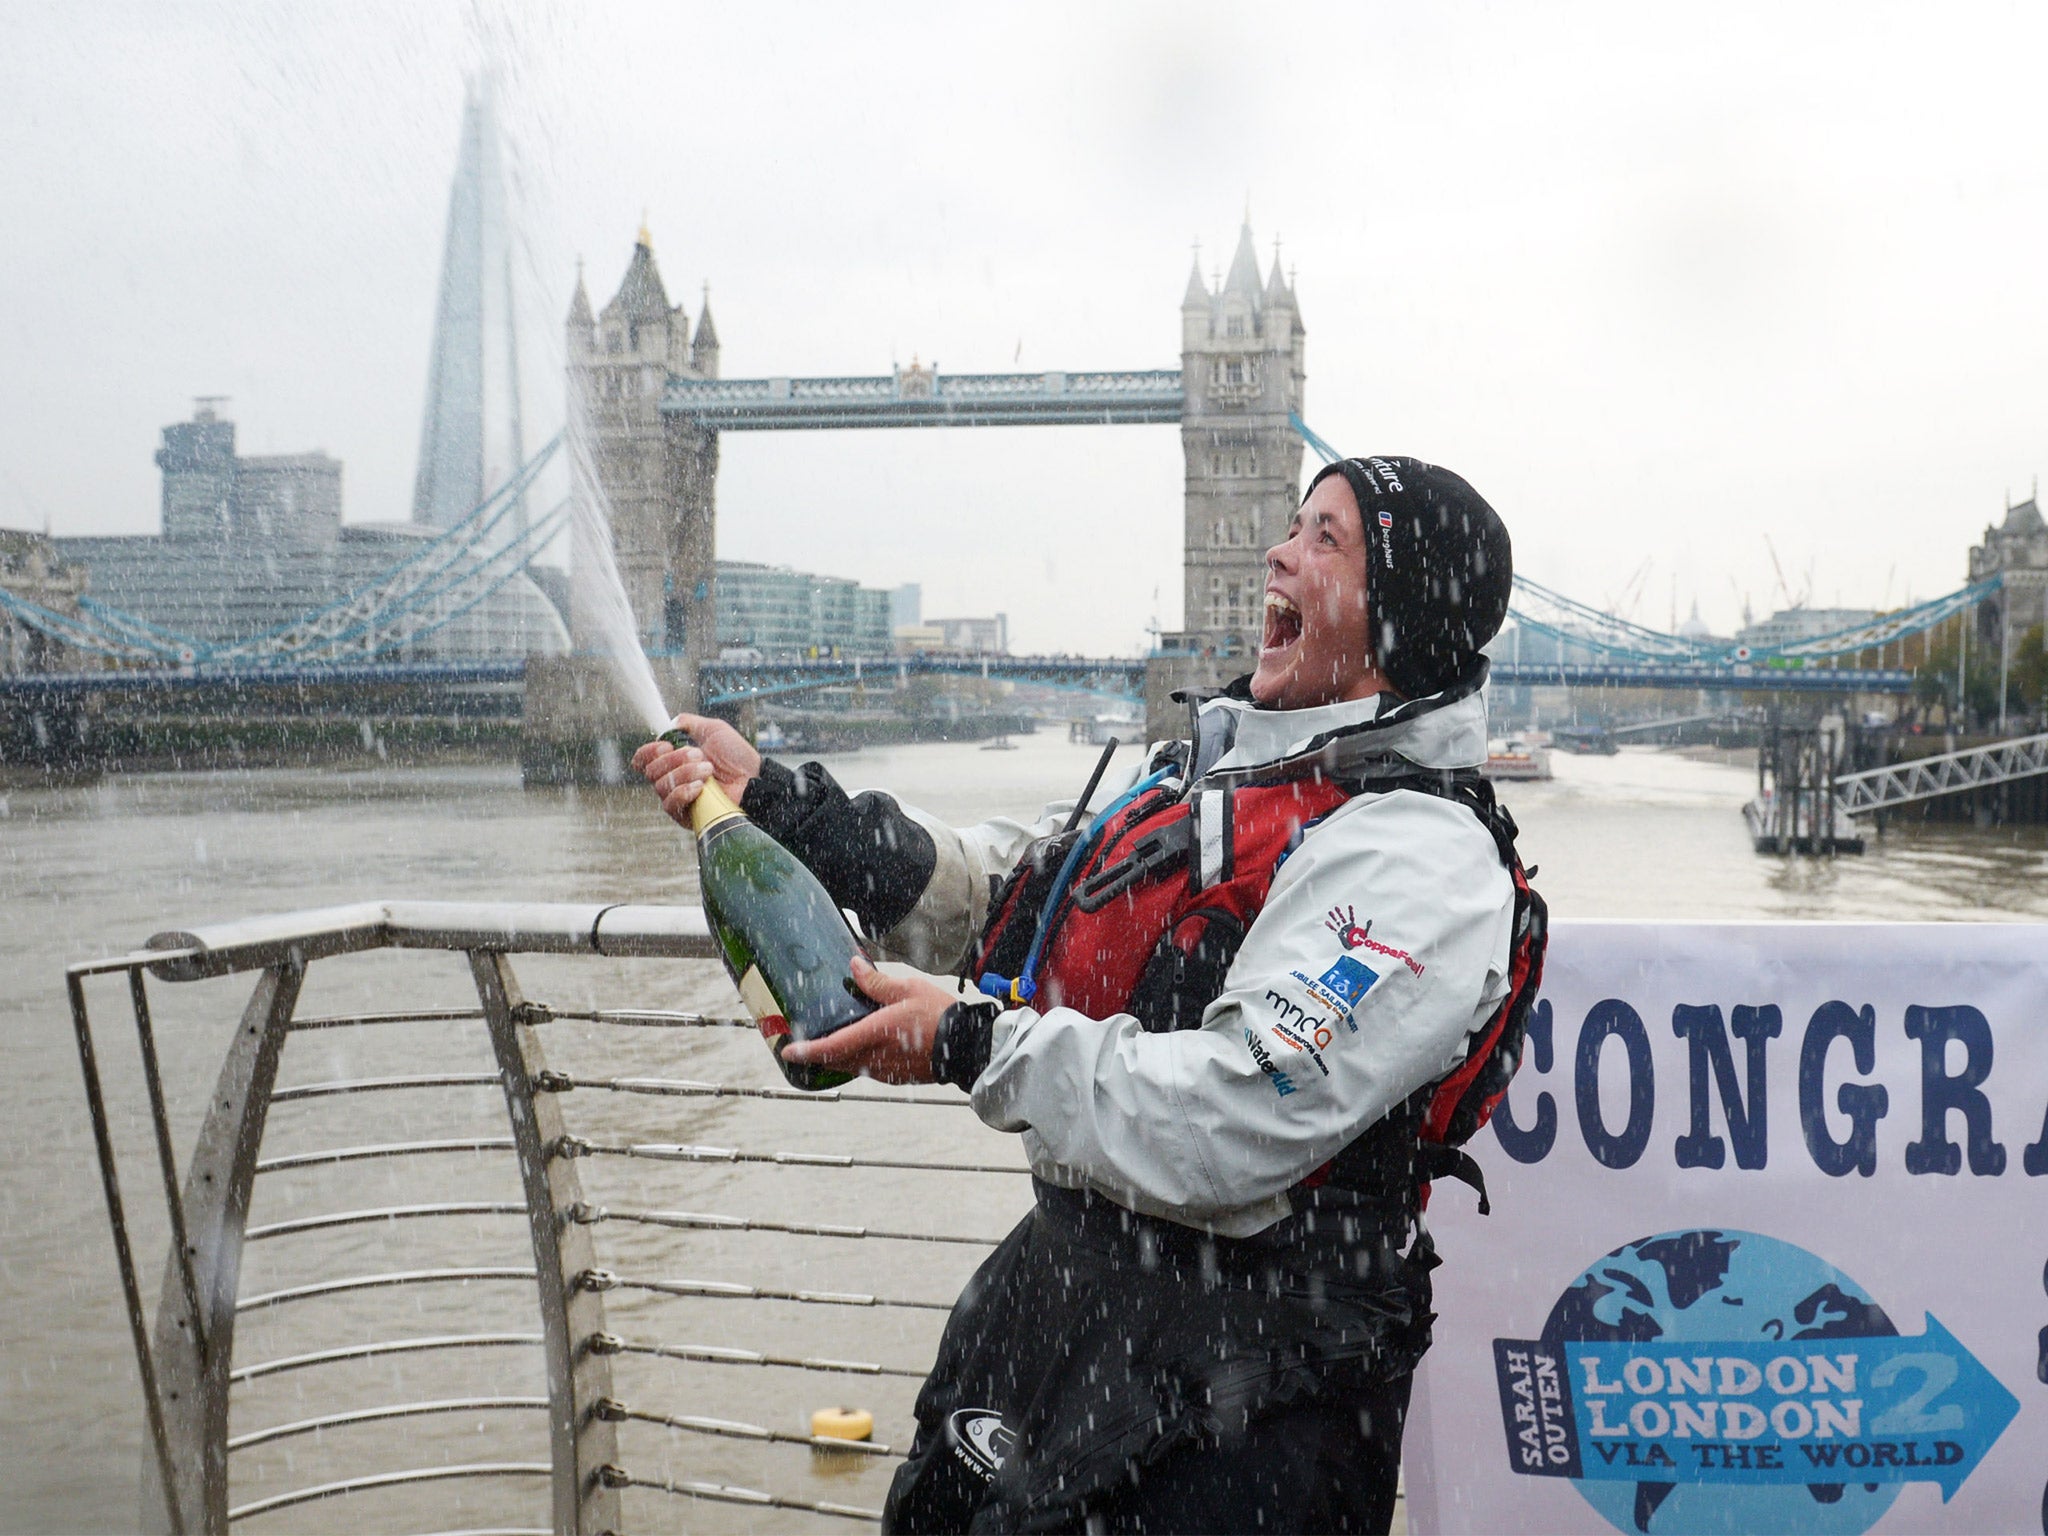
(1314, 650)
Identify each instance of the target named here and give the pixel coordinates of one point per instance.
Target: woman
(1228, 986)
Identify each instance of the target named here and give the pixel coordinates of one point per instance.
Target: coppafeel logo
(1718, 1380)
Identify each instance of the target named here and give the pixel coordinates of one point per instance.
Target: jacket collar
(1235, 740)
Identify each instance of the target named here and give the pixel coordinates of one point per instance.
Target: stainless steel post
(124, 1255)
(193, 1354)
(578, 1378)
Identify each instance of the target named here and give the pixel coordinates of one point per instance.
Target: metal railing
(197, 1387)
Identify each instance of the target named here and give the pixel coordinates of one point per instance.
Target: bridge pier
(576, 727)
(1168, 673)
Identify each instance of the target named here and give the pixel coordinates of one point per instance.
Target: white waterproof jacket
(1211, 1126)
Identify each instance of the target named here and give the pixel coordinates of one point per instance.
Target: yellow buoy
(843, 1424)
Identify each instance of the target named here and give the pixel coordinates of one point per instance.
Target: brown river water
(94, 870)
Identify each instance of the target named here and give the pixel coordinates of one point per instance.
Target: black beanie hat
(1440, 569)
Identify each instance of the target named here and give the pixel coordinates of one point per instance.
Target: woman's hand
(894, 1043)
(678, 773)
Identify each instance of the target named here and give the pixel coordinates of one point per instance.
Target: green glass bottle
(784, 943)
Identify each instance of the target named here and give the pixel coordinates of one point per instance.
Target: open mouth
(1283, 623)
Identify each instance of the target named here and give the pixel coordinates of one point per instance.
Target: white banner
(1769, 1242)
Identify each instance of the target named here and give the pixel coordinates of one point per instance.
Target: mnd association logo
(1723, 1380)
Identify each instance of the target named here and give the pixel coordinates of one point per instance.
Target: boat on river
(1517, 758)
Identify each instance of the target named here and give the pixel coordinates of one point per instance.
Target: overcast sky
(1659, 280)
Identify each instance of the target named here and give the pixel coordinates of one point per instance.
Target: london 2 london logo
(1724, 1380)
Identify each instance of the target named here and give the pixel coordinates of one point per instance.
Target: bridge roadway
(728, 684)
(1119, 397)
(731, 683)
(1734, 677)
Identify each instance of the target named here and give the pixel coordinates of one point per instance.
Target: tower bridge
(647, 380)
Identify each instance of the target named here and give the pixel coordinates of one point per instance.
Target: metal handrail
(186, 1357)
(391, 1480)
(725, 1493)
(342, 1086)
(619, 930)
(334, 1155)
(690, 1088)
(732, 1429)
(731, 1290)
(591, 1215)
(411, 1016)
(726, 1354)
(380, 1348)
(264, 1436)
(320, 1288)
(685, 1152)
(299, 1224)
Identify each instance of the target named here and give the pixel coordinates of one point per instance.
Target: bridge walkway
(1946, 773)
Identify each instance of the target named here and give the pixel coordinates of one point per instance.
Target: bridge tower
(659, 472)
(1242, 372)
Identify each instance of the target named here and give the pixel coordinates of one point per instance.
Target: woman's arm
(1326, 1023)
(919, 888)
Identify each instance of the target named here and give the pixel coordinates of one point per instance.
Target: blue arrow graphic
(1874, 1409)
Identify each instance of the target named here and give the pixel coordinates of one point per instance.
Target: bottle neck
(711, 806)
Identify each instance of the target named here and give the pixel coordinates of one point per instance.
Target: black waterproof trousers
(1107, 1372)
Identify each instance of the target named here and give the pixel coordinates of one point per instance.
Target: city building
(1696, 628)
(981, 637)
(1790, 624)
(906, 606)
(251, 544)
(32, 570)
(2016, 549)
(471, 435)
(780, 612)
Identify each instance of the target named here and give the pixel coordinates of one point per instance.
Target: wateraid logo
(1724, 1380)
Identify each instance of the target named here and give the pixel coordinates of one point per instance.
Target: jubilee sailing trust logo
(1723, 1380)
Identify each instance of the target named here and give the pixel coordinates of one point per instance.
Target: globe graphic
(1718, 1285)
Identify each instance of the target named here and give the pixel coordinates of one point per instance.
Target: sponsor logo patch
(979, 1441)
(1386, 518)
(1282, 1083)
(1323, 995)
(1343, 921)
(1347, 981)
(1300, 1030)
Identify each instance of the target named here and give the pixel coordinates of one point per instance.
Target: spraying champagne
(784, 943)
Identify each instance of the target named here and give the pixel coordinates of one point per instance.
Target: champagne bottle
(783, 941)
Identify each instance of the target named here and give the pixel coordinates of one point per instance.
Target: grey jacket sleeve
(919, 887)
(1382, 946)
(969, 862)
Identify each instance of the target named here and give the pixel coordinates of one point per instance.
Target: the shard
(470, 438)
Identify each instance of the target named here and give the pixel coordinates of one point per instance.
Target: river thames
(96, 869)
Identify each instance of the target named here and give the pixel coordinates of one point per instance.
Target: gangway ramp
(1879, 789)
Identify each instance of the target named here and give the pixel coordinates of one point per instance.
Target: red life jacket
(1151, 920)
